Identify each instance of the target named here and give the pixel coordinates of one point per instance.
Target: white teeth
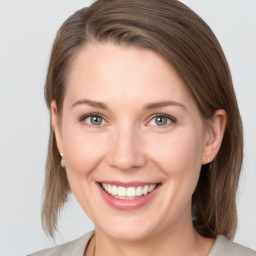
(121, 191)
(125, 198)
(128, 193)
(109, 188)
(145, 190)
(139, 191)
(105, 186)
(151, 188)
(114, 190)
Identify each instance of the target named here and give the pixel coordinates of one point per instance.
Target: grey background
(27, 30)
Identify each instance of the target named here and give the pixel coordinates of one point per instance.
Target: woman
(146, 132)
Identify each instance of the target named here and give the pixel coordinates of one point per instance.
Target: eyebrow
(92, 103)
(149, 106)
(164, 104)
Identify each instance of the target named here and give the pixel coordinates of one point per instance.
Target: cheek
(179, 158)
(83, 151)
(179, 154)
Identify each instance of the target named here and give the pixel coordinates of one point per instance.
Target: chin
(129, 230)
(131, 234)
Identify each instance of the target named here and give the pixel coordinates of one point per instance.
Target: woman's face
(129, 125)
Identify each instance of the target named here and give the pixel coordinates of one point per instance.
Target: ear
(56, 126)
(214, 135)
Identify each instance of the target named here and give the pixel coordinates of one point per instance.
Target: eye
(162, 120)
(93, 120)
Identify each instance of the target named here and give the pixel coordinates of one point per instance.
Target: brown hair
(174, 31)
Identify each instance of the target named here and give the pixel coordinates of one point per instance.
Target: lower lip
(121, 204)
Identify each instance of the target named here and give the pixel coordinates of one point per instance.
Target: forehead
(118, 74)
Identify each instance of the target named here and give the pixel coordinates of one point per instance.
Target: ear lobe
(56, 125)
(216, 128)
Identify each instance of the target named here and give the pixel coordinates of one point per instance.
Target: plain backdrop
(27, 30)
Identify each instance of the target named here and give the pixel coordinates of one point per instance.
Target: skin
(129, 145)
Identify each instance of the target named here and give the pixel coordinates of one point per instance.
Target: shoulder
(224, 247)
(73, 248)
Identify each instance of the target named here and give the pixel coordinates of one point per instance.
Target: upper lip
(128, 184)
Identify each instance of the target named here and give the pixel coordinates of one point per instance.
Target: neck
(173, 241)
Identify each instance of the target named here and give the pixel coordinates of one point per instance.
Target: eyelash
(82, 119)
(172, 119)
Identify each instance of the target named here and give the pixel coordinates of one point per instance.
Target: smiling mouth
(128, 193)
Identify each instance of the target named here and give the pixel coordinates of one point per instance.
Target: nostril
(127, 162)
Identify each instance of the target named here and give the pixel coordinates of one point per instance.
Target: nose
(126, 152)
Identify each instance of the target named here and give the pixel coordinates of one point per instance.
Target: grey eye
(94, 120)
(160, 120)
